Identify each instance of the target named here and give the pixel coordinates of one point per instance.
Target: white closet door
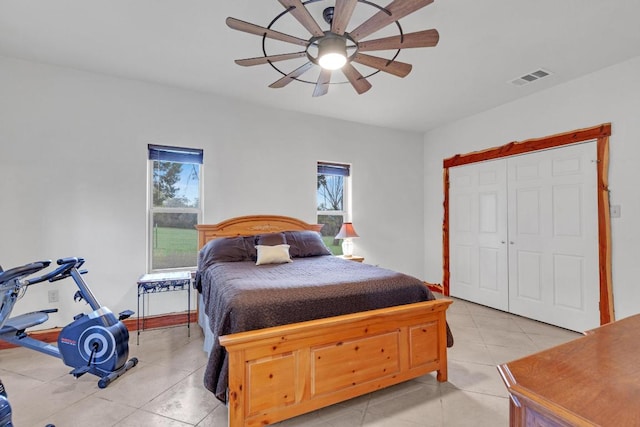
(478, 232)
(553, 236)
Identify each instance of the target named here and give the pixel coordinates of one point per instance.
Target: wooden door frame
(600, 133)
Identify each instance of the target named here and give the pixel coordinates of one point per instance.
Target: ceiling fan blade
(426, 38)
(359, 83)
(247, 27)
(266, 59)
(398, 8)
(322, 87)
(303, 16)
(342, 15)
(291, 76)
(400, 69)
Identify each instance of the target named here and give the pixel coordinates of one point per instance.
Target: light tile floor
(165, 389)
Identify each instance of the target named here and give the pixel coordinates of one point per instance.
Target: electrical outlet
(53, 295)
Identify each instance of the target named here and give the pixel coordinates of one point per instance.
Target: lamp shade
(347, 231)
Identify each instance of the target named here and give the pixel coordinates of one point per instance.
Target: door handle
(511, 242)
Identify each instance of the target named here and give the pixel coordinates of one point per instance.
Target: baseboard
(150, 322)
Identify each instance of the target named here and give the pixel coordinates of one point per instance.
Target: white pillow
(278, 254)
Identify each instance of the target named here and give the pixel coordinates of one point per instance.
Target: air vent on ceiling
(531, 77)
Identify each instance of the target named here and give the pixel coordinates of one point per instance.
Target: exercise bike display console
(95, 342)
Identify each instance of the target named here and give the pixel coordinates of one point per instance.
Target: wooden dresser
(593, 380)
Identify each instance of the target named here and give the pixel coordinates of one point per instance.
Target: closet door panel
(489, 266)
(569, 283)
(529, 276)
(478, 233)
(553, 251)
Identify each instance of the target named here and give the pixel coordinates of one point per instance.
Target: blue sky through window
(189, 184)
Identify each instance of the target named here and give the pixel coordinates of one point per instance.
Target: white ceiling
(186, 43)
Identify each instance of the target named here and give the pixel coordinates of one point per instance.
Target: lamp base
(347, 248)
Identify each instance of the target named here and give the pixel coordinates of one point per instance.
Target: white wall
(73, 149)
(610, 95)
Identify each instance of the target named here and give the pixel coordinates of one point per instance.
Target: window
(333, 201)
(174, 206)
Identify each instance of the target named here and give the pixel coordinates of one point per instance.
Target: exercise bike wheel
(104, 382)
(98, 342)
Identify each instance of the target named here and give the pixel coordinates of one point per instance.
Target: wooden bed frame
(281, 372)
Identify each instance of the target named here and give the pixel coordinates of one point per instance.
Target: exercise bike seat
(24, 321)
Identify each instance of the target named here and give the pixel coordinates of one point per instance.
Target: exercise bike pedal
(80, 371)
(125, 314)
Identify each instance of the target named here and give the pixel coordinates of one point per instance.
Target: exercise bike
(95, 343)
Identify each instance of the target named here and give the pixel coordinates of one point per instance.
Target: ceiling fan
(336, 48)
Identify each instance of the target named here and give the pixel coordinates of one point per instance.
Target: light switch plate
(615, 211)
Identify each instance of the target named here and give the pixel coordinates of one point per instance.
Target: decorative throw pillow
(271, 239)
(228, 249)
(306, 243)
(278, 254)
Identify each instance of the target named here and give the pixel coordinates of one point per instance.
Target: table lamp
(346, 233)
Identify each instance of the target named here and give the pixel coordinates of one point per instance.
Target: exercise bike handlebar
(62, 272)
(77, 262)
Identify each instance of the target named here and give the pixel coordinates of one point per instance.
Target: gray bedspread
(240, 296)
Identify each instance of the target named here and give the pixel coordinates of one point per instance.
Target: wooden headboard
(251, 225)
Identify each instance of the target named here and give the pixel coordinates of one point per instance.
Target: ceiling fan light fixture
(335, 48)
(332, 61)
(332, 52)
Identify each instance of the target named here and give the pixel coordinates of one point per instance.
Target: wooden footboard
(278, 373)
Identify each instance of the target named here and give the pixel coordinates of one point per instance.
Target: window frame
(151, 209)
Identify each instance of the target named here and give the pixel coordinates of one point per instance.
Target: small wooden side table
(355, 258)
(164, 282)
